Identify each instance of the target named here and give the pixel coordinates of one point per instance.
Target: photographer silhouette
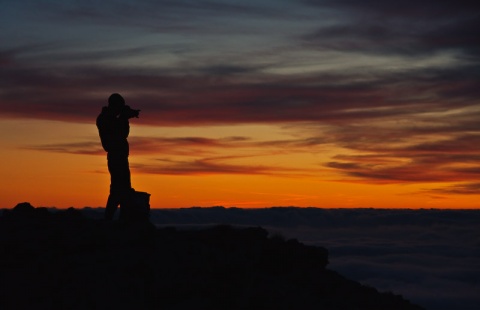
(113, 128)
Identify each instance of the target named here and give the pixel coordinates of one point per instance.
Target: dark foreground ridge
(63, 260)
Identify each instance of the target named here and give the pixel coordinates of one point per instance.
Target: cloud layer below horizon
(428, 256)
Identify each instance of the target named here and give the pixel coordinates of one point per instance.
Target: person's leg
(124, 206)
(112, 205)
(120, 184)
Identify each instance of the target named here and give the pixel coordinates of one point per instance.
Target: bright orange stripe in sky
(52, 177)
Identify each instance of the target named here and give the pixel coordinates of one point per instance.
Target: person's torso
(113, 133)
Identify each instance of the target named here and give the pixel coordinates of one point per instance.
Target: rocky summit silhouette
(64, 260)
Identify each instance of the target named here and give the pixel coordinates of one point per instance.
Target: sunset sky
(325, 103)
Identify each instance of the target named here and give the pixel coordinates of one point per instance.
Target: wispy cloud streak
(210, 166)
(406, 27)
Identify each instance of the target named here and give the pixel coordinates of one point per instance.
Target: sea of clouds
(431, 257)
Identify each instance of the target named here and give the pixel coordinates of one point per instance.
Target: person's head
(116, 103)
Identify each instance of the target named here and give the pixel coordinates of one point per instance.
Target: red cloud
(208, 166)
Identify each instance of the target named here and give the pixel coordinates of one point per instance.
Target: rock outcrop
(63, 260)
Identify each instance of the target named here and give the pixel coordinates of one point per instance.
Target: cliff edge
(63, 260)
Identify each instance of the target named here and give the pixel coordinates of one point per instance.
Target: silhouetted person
(113, 128)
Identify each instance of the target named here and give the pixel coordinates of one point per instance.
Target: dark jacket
(113, 132)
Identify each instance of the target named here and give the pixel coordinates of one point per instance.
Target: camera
(129, 112)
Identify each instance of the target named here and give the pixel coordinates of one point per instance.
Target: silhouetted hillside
(63, 260)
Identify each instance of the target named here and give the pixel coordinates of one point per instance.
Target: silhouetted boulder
(63, 260)
(23, 208)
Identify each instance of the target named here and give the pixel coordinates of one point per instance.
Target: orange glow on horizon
(52, 177)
